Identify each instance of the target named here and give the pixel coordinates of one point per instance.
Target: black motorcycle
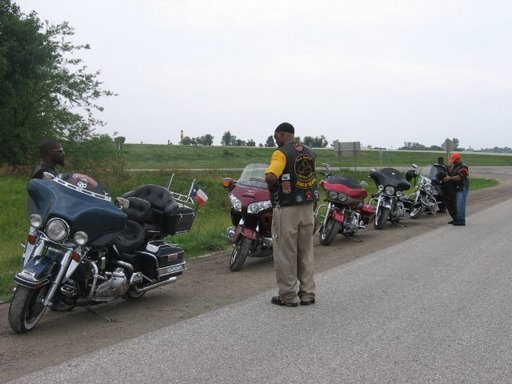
(83, 249)
(427, 196)
(390, 202)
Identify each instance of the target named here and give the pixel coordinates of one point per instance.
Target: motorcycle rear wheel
(381, 217)
(329, 231)
(133, 294)
(27, 308)
(239, 254)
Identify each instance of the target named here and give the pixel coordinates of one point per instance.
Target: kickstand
(99, 314)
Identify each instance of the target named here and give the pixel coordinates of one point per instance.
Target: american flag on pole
(198, 195)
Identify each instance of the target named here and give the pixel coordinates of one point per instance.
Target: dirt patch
(207, 285)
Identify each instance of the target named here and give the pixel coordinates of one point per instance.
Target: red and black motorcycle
(345, 211)
(251, 215)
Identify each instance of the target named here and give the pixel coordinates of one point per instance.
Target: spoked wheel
(381, 217)
(27, 308)
(240, 252)
(329, 231)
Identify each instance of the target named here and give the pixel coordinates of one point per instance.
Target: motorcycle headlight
(389, 190)
(399, 193)
(332, 195)
(381, 188)
(57, 229)
(81, 238)
(258, 207)
(235, 202)
(36, 221)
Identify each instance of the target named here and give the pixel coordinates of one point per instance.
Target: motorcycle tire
(329, 231)
(239, 254)
(381, 217)
(417, 211)
(27, 308)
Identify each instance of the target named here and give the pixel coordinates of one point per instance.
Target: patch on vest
(304, 169)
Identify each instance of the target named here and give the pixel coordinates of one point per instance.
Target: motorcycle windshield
(83, 210)
(437, 172)
(390, 176)
(253, 176)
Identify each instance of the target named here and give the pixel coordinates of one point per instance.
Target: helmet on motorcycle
(410, 174)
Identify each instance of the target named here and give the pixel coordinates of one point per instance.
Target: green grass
(211, 220)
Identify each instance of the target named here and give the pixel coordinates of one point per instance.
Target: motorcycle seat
(356, 193)
(131, 237)
(167, 214)
(139, 210)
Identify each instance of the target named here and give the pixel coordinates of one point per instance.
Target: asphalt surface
(432, 309)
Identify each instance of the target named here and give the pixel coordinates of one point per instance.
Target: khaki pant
(292, 236)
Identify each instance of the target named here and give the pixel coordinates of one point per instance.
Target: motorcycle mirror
(414, 166)
(363, 183)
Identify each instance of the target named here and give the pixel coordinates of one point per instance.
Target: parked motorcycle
(251, 215)
(83, 249)
(345, 211)
(390, 202)
(427, 195)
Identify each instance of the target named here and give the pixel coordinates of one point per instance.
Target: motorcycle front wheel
(417, 210)
(240, 252)
(27, 308)
(329, 231)
(381, 217)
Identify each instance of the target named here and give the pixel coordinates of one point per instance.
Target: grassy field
(211, 220)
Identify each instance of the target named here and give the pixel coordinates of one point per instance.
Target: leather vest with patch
(297, 184)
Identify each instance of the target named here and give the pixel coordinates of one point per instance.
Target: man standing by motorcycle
(458, 178)
(292, 183)
(52, 154)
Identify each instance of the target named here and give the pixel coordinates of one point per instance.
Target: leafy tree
(270, 142)
(251, 143)
(239, 143)
(228, 139)
(45, 90)
(316, 142)
(187, 141)
(205, 140)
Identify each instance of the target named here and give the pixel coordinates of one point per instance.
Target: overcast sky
(379, 72)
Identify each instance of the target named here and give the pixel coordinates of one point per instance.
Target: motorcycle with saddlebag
(82, 249)
(345, 211)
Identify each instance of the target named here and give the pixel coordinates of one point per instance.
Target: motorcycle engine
(116, 285)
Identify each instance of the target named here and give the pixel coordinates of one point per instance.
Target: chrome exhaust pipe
(170, 280)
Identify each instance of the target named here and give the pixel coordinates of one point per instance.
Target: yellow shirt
(277, 163)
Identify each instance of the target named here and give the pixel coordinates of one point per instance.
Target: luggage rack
(185, 199)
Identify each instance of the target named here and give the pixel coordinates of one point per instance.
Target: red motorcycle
(251, 215)
(345, 211)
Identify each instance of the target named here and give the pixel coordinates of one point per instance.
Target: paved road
(433, 309)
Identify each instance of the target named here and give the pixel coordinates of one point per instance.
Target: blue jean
(461, 205)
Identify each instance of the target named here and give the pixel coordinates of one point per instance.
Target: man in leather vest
(292, 183)
(458, 180)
